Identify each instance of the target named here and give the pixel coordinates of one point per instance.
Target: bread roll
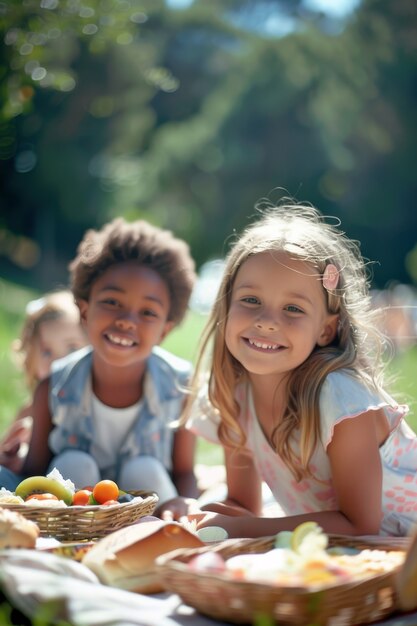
(126, 557)
(16, 531)
(406, 581)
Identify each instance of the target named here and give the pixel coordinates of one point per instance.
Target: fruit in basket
(308, 537)
(81, 497)
(125, 497)
(43, 484)
(307, 563)
(41, 496)
(207, 562)
(105, 490)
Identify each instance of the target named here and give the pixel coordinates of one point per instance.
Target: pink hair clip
(330, 277)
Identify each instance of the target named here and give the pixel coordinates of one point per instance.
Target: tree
(188, 118)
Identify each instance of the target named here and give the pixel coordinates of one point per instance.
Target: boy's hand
(14, 446)
(13, 462)
(177, 508)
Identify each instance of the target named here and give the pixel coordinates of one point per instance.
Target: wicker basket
(80, 523)
(243, 602)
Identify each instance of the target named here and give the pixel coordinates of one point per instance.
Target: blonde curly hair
(54, 305)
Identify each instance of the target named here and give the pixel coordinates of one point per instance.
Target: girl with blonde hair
(51, 329)
(295, 391)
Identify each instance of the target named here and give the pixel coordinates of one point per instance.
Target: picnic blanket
(43, 585)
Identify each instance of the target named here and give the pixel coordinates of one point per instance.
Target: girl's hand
(177, 509)
(230, 523)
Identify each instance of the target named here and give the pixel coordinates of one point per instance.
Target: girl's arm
(357, 479)
(244, 485)
(183, 478)
(39, 454)
(357, 472)
(183, 463)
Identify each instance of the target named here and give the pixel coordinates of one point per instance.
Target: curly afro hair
(118, 242)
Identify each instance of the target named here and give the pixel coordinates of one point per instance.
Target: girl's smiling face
(127, 313)
(277, 314)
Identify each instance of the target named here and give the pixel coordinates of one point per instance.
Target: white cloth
(34, 581)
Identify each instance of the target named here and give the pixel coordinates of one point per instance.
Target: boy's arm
(39, 454)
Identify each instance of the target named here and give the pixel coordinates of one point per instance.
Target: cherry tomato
(41, 496)
(109, 502)
(88, 487)
(105, 490)
(81, 497)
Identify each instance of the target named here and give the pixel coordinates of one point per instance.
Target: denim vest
(70, 403)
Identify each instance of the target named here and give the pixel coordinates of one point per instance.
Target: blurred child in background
(51, 330)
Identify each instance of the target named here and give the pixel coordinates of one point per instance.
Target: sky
(334, 8)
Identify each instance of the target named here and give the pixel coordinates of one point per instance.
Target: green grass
(182, 341)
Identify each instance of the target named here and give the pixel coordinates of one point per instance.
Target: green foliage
(13, 391)
(183, 340)
(189, 117)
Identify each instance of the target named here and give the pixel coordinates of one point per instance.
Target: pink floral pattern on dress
(342, 397)
(398, 457)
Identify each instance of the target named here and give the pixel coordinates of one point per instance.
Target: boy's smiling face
(127, 313)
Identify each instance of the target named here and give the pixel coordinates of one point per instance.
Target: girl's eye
(250, 300)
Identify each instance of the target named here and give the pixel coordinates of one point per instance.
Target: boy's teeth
(121, 341)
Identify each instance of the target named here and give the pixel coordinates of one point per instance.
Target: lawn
(182, 341)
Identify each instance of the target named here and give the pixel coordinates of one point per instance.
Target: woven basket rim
(72, 523)
(73, 509)
(198, 589)
(172, 560)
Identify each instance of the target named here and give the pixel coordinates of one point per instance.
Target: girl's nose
(266, 322)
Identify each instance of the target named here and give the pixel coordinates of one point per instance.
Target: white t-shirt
(111, 427)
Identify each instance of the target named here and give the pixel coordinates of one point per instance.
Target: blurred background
(190, 112)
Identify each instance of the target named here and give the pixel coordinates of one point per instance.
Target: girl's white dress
(342, 397)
